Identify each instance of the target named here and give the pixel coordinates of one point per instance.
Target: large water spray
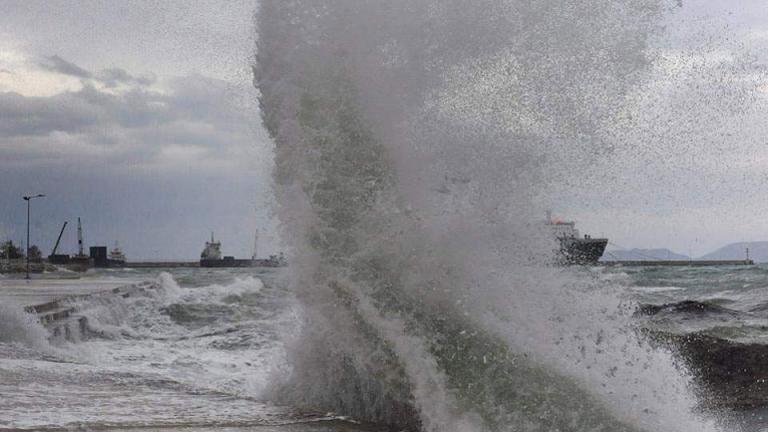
(417, 144)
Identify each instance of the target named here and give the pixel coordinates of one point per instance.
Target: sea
(417, 145)
(201, 349)
(194, 351)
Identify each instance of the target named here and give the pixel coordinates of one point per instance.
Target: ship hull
(79, 263)
(578, 251)
(231, 263)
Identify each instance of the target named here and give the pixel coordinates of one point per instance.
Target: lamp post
(28, 199)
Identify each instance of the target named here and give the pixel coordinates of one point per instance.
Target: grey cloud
(81, 110)
(112, 77)
(201, 97)
(57, 64)
(123, 130)
(133, 109)
(20, 115)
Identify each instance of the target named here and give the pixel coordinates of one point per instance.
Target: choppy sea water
(715, 319)
(199, 350)
(196, 351)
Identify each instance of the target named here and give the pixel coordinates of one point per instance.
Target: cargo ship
(102, 259)
(116, 257)
(211, 257)
(575, 249)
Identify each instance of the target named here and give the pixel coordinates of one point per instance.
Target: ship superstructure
(575, 249)
(116, 256)
(212, 251)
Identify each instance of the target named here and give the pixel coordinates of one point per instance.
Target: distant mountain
(642, 255)
(758, 251)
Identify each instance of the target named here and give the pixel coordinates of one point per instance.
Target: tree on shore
(35, 254)
(10, 251)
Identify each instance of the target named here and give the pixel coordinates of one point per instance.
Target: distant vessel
(211, 257)
(574, 249)
(116, 256)
(212, 251)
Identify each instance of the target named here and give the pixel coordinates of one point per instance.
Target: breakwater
(677, 263)
(163, 264)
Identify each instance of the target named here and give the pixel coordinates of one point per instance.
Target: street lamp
(28, 199)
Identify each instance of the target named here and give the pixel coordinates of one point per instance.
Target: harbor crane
(58, 240)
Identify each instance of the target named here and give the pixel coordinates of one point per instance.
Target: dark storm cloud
(57, 64)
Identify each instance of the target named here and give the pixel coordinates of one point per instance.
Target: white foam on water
(189, 355)
(657, 289)
(162, 356)
(18, 326)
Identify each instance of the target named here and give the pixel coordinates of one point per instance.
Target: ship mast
(79, 238)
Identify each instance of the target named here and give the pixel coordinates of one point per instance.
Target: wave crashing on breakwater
(414, 142)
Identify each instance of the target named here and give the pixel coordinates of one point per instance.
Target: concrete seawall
(54, 300)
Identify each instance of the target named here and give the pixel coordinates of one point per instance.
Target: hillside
(758, 251)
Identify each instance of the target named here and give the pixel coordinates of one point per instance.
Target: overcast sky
(140, 117)
(695, 174)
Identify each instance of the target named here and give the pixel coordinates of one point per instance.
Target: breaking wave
(417, 143)
(17, 326)
(223, 337)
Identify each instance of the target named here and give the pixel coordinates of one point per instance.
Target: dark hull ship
(575, 249)
(582, 251)
(211, 257)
